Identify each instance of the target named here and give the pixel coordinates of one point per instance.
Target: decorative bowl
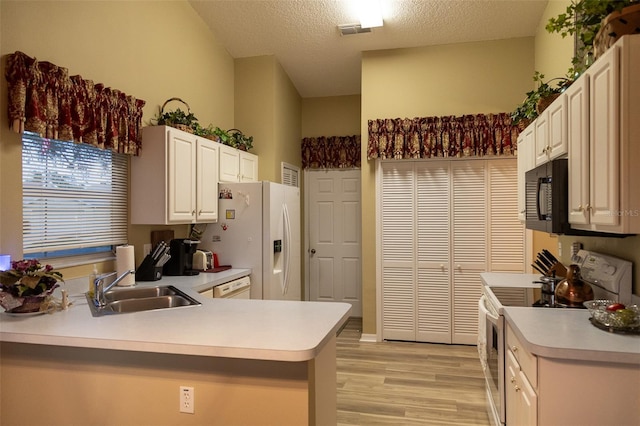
(627, 319)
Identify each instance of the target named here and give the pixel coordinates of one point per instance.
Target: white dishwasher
(236, 289)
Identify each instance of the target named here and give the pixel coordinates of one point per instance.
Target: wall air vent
(350, 29)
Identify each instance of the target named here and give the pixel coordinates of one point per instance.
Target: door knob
(313, 251)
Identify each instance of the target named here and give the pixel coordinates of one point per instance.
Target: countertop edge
(571, 354)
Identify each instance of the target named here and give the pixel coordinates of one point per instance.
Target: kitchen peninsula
(249, 362)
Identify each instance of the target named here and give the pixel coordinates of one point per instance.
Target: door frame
(307, 271)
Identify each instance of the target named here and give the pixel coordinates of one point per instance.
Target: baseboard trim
(368, 338)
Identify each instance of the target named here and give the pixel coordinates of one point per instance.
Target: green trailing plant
(176, 117)
(527, 111)
(240, 140)
(583, 19)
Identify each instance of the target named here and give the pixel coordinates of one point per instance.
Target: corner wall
(456, 79)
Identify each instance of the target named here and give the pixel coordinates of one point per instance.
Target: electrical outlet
(187, 399)
(146, 249)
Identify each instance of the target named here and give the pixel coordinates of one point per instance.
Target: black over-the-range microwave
(547, 200)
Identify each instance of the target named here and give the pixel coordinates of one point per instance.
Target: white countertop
(234, 328)
(561, 333)
(510, 279)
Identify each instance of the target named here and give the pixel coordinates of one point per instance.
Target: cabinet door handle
(513, 379)
(517, 388)
(200, 212)
(193, 213)
(514, 349)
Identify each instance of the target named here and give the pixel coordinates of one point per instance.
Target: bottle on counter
(92, 278)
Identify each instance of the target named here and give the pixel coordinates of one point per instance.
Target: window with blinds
(74, 198)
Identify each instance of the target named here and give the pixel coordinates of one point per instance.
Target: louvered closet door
(433, 256)
(469, 245)
(506, 232)
(398, 251)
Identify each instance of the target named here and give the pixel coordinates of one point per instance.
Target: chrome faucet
(99, 290)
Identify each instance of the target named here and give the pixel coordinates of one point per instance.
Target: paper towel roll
(125, 261)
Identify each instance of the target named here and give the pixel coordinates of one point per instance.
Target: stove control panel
(607, 272)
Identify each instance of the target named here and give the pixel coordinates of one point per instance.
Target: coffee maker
(181, 262)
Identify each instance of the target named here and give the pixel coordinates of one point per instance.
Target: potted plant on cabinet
(179, 119)
(583, 20)
(240, 140)
(537, 100)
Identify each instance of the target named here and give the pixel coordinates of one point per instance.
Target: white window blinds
(74, 196)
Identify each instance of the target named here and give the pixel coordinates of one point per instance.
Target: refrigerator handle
(287, 253)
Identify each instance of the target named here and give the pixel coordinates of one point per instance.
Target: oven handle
(486, 312)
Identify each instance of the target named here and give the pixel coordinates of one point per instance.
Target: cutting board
(218, 269)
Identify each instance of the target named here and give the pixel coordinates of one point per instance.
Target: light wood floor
(406, 383)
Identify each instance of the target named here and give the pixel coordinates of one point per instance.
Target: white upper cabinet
(578, 141)
(248, 167)
(237, 165)
(526, 162)
(207, 180)
(175, 178)
(604, 172)
(551, 131)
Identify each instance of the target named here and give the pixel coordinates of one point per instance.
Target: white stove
(609, 277)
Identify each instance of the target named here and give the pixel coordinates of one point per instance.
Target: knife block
(148, 271)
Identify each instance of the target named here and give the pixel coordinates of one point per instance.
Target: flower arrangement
(26, 285)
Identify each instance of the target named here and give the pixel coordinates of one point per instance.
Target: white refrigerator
(259, 228)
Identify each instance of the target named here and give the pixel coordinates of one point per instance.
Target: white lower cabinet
(442, 223)
(237, 165)
(174, 180)
(558, 392)
(520, 372)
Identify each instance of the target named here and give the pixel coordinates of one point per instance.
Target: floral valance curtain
(44, 99)
(331, 152)
(449, 136)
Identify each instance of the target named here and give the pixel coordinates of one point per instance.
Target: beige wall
(268, 107)
(470, 78)
(331, 116)
(151, 50)
(553, 58)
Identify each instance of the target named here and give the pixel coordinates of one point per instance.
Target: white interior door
(334, 235)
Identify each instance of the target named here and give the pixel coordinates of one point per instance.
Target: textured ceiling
(303, 34)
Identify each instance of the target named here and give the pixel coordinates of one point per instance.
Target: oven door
(491, 344)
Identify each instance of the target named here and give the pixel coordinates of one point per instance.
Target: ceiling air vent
(350, 29)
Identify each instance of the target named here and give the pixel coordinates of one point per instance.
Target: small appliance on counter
(202, 260)
(181, 251)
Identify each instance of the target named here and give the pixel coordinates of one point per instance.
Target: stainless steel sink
(142, 299)
(148, 303)
(140, 292)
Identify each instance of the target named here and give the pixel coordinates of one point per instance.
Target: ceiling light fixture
(369, 13)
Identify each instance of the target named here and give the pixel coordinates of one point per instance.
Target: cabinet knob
(517, 388)
(587, 207)
(193, 213)
(200, 212)
(514, 349)
(513, 379)
(580, 207)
